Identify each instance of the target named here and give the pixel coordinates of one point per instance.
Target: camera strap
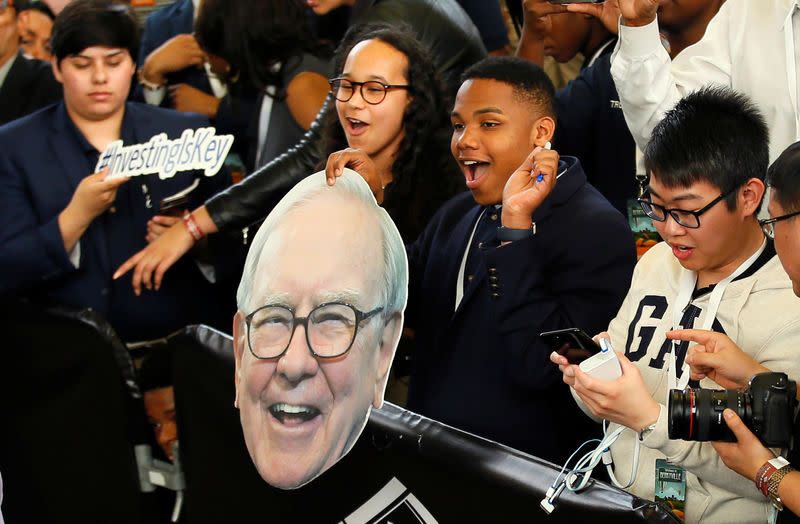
(688, 282)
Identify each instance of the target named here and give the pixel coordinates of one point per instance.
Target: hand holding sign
(93, 196)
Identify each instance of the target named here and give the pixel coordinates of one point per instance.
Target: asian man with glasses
(707, 161)
(732, 367)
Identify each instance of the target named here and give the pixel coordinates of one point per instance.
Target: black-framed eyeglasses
(690, 219)
(373, 92)
(330, 329)
(768, 224)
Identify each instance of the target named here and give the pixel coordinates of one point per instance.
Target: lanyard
(791, 66)
(462, 269)
(688, 281)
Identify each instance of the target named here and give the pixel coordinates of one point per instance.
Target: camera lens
(696, 414)
(681, 413)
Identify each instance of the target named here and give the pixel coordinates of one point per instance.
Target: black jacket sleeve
(252, 199)
(441, 26)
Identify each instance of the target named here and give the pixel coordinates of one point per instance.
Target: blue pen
(540, 177)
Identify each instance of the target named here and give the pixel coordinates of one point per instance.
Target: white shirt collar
(5, 68)
(602, 48)
(196, 4)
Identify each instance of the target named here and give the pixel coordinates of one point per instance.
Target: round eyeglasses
(330, 329)
(690, 219)
(373, 92)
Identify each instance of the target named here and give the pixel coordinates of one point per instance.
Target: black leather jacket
(454, 44)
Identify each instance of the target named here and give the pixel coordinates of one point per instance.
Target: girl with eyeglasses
(391, 109)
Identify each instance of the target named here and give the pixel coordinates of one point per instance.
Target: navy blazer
(44, 158)
(483, 367)
(591, 126)
(30, 85)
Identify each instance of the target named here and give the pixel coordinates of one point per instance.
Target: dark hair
(783, 177)
(256, 37)
(34, 5)
(155, 371)
(528, 80)
(713, 135)
(87, 23)
(423, 172)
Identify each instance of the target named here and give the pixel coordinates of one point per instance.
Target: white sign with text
(196, 149)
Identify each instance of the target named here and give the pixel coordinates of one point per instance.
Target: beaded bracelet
(192, 227)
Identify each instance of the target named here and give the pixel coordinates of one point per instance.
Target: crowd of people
(514, 200)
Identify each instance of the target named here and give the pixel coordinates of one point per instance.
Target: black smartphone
(173, 207)
(561, 340)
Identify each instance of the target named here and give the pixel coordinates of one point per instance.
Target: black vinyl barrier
(71, 412)
(405, 468)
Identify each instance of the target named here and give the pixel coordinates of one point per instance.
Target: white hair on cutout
(395, 263)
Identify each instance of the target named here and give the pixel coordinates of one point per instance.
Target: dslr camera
(766, 406)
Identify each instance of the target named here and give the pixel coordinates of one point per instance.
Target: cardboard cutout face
(315, 341)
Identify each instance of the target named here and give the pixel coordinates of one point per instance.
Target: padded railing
(71, 412)
(404, 466)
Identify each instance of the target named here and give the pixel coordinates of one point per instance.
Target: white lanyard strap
(791, 66)
(687, 285)
(462, 269)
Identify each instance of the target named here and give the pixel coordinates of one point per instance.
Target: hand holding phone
(573, 343)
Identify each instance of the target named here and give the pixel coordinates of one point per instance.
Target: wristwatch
(646, 431)
(147, 84)
(507, 234)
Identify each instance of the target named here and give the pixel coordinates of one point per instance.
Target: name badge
(671, 487)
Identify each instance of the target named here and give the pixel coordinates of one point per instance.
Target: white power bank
(603, 365)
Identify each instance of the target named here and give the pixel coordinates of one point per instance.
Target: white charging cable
(578, 477)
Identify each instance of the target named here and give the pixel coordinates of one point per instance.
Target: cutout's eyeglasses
(330, 329)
